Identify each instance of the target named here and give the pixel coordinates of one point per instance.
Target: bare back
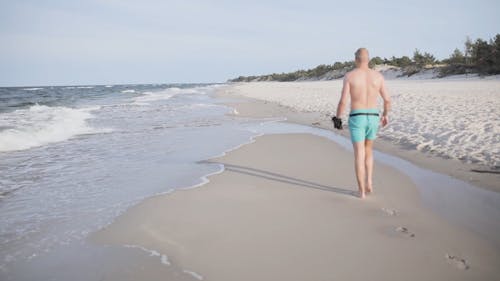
(365, 86)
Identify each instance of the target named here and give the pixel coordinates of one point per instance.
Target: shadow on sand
(281, 178)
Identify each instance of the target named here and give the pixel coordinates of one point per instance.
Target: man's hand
(337, 122)
(384, 120)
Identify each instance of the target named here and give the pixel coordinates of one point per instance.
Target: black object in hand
(337, 122)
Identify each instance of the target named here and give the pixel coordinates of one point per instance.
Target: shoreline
(475, 174)
(274, 215)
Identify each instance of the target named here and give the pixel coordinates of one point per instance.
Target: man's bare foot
(362, 194)
(369, 188)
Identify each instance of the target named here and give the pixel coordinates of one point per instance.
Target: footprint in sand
(404, 230)
(390, 212)
(459, 262)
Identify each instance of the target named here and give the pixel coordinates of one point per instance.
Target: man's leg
(371, 134)
(369, 164)
(359, 166)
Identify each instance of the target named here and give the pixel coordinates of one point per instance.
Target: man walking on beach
(363, 85)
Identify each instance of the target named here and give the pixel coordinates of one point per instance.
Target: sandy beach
(449, 126)
(286, 208)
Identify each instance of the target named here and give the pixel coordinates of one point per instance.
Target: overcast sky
(147, 41)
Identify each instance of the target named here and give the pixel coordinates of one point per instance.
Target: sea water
(73, 158)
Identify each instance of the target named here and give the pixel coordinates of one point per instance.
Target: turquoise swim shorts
(363, 127)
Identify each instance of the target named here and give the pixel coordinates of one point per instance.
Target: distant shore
(389, 72)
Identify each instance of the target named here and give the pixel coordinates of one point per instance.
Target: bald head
(361, 56)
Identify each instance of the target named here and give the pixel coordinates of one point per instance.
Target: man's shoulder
(346, 76)
(349, 74)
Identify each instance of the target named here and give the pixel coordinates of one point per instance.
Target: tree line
(479, 56)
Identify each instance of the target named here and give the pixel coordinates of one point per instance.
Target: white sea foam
(40, 125)
(128, 91)
(152, 253)
(452, 118)
(163, 259)
(32, 89)
(194, 274)
(147, 97)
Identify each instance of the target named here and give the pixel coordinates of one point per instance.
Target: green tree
(496, 54)
(429, 59)
(424, 59)
(338, 65)
(482, 56)
(457, 57)
(375, 61)
(468, 50)
(418, 58)
(403, 61)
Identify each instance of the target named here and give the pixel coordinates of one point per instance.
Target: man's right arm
(343, 96)
(385, 97)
